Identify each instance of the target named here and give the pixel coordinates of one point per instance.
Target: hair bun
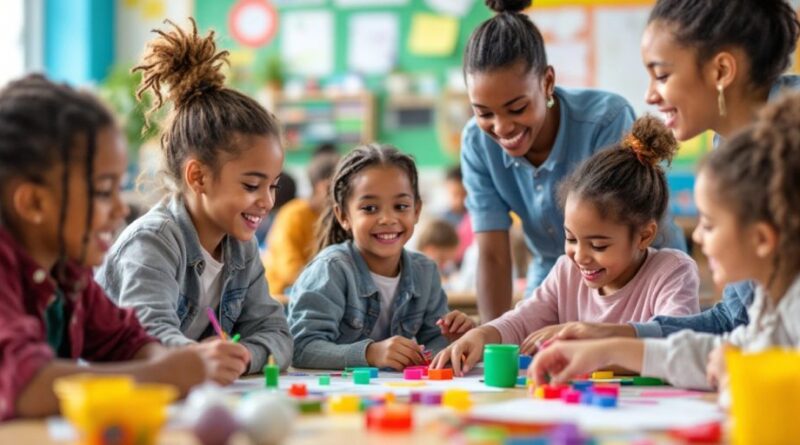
(651, 140)
(187, 64)
(508, 5)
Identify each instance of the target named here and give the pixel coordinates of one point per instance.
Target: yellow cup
(114, 408)
(765, 395)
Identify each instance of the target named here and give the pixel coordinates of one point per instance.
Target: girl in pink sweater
(612, 203)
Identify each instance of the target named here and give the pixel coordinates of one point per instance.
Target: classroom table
(347, 429)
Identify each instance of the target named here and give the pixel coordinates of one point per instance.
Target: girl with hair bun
(526, 136)
(195, 251)
(614, 203)
(750, 230)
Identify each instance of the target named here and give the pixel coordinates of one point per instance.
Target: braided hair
(329, 231)
(44, 124)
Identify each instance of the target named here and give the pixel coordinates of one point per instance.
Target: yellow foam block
(602, 375)
(457, 399)
(344, 403)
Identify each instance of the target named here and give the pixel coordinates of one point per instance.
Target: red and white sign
(253, 22)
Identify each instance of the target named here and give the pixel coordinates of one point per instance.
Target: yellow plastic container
(765, 396)
(113, 409)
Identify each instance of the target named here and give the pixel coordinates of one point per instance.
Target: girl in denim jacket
(366, 300)
(196, 250)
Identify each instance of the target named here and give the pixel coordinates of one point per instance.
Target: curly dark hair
(207, 118)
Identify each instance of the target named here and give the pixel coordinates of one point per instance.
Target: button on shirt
(498, 183)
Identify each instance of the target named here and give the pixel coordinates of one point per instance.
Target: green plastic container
(500, 365)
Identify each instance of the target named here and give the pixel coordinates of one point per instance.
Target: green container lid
(500, 365)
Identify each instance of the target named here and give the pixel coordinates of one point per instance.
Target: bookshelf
(311, 119)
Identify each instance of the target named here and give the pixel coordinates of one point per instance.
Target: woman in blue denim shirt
(196, 250)
(366, 300)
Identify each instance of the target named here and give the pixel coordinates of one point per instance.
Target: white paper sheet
(307, 42)
(373, 43)
(633, 413)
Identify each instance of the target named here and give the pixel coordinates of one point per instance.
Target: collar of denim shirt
(234, 256)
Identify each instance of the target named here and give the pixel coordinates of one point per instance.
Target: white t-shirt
(387, 288)
(210, 290)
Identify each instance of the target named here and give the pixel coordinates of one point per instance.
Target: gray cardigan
(155, 267)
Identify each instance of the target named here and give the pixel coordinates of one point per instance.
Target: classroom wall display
(417, 89)
(351, 45)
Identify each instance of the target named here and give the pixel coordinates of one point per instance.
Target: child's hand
(574, 330)
(181, 367)
(532, 344)
(463, 354)
(396, 352)
(565, 359)
(716, 371)
(454, 325)
(225, 361)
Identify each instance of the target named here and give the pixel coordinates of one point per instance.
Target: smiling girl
(196, 249)
(365, 299)
(613, 205)
(750, 230)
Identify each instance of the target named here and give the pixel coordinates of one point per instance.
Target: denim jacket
(335, 304)
(723, 317)
(155, 267)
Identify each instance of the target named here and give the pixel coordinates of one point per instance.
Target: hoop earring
(723, 111)
(550, 102)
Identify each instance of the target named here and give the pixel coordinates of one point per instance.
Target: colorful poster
(567, 36)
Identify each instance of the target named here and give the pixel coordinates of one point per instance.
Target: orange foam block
(440, 374)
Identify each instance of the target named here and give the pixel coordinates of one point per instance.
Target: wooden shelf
(315, 118)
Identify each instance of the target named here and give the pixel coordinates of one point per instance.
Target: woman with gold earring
(526, 136)
(711, 64)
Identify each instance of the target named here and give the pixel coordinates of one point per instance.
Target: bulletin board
(422, 142)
